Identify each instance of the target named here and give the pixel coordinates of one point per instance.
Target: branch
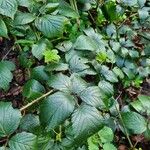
(36, 100)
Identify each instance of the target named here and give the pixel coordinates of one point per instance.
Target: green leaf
(56, 109)
(60, 82)
(23, 141)
(92, 96)
(23, 18)
(29, 122)
(38, 49)
(5, 74)
(130, 3)
(9, 119)
(106, 135)
(3, 29)
(108, 74)
(57, 67)
(118, 72)
(66, 10)
(33, 89)
(109, 146)
(8, 7)
(85, 43)
(39, 73)
(77, 64)
(77, 84)
(134, 122)
(106, 87)
(51, 56)
(86, 120)
(93, 142)
(51, 26)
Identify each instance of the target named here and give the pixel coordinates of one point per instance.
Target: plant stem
(126, 132)
(36, 100)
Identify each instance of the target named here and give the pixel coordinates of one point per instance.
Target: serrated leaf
(29, 123)
(38, 49)
(77, 84)
(106, 87)
(57, 67)
(77, 64)
(86, 120)
(5, 74)
(39, 73)
(85, 43)
(51, 56)
(23, 141)
(60, 82)
(3, 29)
(66, 10)
(56, 109)
(106, 135)
(134, 122)
(9, 119)
(23, 18)
(33, 89)
(51, 26)
(109, 146)
(92, 96)
(8, 7)
(108, 74)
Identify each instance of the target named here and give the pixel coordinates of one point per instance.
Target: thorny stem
(36, 100)
(126, 132)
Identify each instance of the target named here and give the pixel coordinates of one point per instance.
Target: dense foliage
(84, 63)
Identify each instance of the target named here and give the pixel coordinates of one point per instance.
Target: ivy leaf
(60, 82)
(3, 29)
(56, 109)
(51, 56)
(134, 122)
(9, 119)
(86, 120)
(92, 96)
(8, 7)
(33, 89)
(24, 140)
(5, 74)
(51, 26)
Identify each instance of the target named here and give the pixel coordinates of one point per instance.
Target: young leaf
(86, 120)
(109, 146)
(106, 135)
(9, 119)
(8, 7)
(56, 109)
(23, 141)
(51, 26)
(5, 74)
(3, 29)
(51, 56)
